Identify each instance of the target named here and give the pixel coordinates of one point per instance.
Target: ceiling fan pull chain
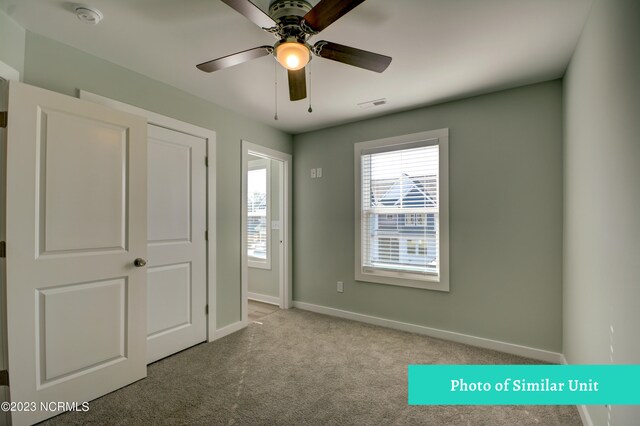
(275, 75)
(310, 109)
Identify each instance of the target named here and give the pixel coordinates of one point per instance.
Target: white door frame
(6, 73)
(210, 137)
(286, 246)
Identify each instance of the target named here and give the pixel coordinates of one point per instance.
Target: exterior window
(258, 214)
(410, 219)
(402, 210)
(388, 249)
(422, 248)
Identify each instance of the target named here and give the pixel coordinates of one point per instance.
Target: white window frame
(255, 262)
(439, 281)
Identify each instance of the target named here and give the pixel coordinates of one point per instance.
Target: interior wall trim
(582, 409)
(272, 300)
(481, 342)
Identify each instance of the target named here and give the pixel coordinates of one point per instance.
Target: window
(258, 214)
(422, 248)
(402, 224)
(388, 249)
(410, 219)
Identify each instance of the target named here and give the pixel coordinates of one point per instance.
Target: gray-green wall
(267, 281)
(505, 218)
(63, 69)
(12, 40)
(602, 196)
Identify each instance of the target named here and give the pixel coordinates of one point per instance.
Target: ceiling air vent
(374, 103)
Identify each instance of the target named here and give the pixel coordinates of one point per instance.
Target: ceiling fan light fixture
(293, 55)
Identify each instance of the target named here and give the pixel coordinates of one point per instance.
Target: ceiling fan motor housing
(288, 14)
(284, 8)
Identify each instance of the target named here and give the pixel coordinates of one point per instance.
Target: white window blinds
(258, 212)
(400, 209)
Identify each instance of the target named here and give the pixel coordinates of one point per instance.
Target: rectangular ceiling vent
(374, 103)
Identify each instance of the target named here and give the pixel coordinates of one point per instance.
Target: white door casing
(177, 292)
(5, 417)
(77, 219)
(286, 252)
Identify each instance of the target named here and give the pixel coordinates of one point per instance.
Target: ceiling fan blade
(327, 12)
(235, 59)
(352, 56)
(251, 12)
(297, 84)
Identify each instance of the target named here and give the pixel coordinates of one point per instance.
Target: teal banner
(524, 384)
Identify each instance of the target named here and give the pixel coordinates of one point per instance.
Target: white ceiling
(441, 49)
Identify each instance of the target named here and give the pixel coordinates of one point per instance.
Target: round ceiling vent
(89, 15)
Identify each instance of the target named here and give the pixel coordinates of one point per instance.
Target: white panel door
(176, 292)
(76, 221)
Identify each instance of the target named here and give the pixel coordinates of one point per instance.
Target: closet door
(177, 271)
(76, 244)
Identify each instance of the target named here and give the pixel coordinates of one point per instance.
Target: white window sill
(425, 283)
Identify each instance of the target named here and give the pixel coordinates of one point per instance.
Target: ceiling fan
(292, 22)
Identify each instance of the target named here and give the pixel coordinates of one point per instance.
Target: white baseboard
(510, 348)
(582, 409)
(229, 329)
(584, 415)
(264, 298)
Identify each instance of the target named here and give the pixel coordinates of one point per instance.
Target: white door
(177, 292)
(76, 221)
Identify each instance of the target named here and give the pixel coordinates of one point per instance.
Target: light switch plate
(313, 173)
(319, 172)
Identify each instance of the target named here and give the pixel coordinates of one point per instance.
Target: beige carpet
(301, 368)
(258, 310)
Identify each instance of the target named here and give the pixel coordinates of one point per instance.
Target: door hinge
(206, 235)
(4, 117)
(206, 161)
(3, 249)
(4, 378)
(206, 309)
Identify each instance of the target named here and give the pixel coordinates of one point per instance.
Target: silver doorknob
(139, 262)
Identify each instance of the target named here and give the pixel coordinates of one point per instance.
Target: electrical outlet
(313, 173)
(319, 172)
(340, 287)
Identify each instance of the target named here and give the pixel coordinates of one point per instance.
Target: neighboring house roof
(407, 191)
